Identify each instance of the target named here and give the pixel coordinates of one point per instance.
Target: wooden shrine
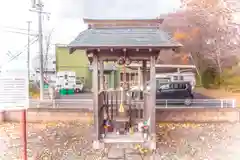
(117, 116)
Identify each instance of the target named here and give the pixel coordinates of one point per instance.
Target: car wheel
(188, 101)
(77, 90)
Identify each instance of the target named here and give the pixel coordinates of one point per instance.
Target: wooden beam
(143, 84)
(164, 66)
(100, 23)
(95, 98)
(139, 77)
(101, 76)
(132, 54)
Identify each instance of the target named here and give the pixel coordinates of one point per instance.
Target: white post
(233, 103)
(221, 103)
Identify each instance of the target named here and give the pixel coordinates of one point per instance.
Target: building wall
(76, 62)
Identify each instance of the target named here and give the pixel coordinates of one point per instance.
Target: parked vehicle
(79, 87)
(175, 93)
(66, 80)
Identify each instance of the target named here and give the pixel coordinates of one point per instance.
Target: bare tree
(206, 30)
(213, 18)
(48, 39)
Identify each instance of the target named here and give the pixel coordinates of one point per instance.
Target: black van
(174, 93)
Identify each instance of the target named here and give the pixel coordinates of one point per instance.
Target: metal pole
(24, 114)
(40, 38)
(24, 134)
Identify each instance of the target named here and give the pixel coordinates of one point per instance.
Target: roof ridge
(123, 27)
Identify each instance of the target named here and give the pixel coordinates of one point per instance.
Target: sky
(65, 20)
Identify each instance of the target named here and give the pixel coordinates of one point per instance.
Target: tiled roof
(123, 37)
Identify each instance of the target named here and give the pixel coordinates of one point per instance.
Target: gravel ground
(69, 141)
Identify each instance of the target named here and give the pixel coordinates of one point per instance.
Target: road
(84, 100)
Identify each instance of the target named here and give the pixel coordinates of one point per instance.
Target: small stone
(115, 153)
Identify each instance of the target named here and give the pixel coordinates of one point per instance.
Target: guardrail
(197, 103)
(163, 103)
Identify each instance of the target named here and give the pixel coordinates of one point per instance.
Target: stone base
(98, 145)
(152, 144)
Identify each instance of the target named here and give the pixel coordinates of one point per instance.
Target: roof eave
(73, 48)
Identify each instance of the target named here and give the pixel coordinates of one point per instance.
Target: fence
(160, 104)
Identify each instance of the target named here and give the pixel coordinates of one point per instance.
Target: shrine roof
(123, 37)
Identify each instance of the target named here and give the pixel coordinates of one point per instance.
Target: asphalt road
(84, 100)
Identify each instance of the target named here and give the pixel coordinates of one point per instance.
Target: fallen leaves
(180, 125)
(175, 141)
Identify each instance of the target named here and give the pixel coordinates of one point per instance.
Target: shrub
(210, 78)
(33, 91)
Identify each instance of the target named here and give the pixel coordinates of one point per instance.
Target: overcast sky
(66, 20)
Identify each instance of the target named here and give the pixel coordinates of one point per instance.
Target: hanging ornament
(127, 61)
(121, 61)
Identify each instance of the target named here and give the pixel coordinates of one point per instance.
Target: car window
(164, 87)
(177, 86)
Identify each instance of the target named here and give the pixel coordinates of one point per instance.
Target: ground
(219, 94)
(63, 141)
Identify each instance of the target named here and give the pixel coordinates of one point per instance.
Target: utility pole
(28, 50)
(38, 6)
(40, 38)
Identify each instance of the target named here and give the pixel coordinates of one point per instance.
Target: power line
(25, 46)
(16, 28)
(9, 53)
(17, 55)
(19, 32)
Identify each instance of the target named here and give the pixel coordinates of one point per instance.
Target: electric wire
(18, 54)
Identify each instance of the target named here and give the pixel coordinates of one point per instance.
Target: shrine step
(113, 138)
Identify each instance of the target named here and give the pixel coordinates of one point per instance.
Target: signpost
(14, 95)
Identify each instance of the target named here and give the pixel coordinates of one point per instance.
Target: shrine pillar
(152, 102)
(96, 114)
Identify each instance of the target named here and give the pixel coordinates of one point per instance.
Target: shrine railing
(110, 101)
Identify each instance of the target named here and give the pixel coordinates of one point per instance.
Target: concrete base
(49, 115)
(2, 116)
(164, 115)
(98, 145)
